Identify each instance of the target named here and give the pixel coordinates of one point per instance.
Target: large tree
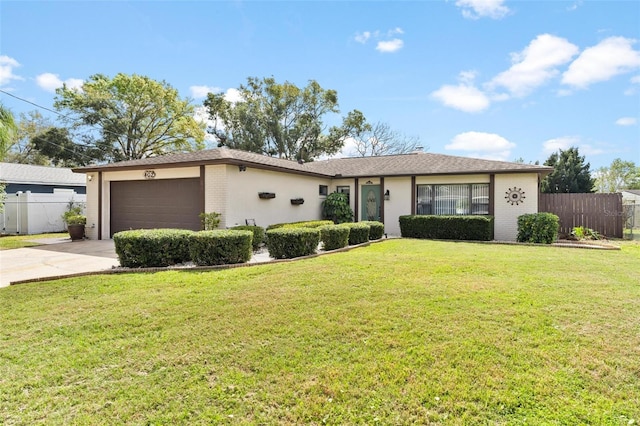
(280, 119)
(130, 116)
(618, 176)
(8, 130)
(379, 139)
(570, 173)
(23, 150)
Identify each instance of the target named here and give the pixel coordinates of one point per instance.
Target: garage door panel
(148, 204)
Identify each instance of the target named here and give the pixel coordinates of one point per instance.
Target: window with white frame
(453, 199)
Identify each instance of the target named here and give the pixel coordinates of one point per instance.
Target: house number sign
(149, 174)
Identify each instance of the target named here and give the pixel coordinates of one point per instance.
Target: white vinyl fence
(33, 213)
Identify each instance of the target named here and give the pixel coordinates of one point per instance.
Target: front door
(370, 205)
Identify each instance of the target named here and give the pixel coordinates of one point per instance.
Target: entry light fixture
(387, 195)
(242, 168)
(89, 178)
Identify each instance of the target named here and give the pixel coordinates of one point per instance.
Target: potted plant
(76, 222)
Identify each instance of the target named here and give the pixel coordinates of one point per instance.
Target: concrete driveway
(56, 257)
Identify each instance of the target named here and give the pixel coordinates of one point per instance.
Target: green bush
(287, 243)
(220, 247)
(144, 248)
(210, 221)
(376, 229)
(303, 224)
(581, 233)
(336, 208)
(258, 234)
(334, 236)
(538, 228)
(474, 228)
(358, 232)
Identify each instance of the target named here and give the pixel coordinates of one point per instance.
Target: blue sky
(491, 79)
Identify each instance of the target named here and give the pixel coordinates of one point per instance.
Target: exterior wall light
(387, 195)
(89, 178)
(242, 168)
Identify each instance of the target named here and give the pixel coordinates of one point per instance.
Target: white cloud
(465, 96)
(475, 9)
(201, 91)
(50, 82)
(535, 65)
(626, 121)
(611, 57)
(7, 64)
(390, 46)
(482, 145)
(233, 95)
(383, 44)
(363, 37)
(635, 79)
(565, 142)
(574, 6)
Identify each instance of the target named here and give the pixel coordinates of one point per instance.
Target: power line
(35, 105)
(61, 115)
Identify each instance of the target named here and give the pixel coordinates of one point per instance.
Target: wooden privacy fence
(601, 212)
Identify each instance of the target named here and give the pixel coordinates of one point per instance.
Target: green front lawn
(400, 332)
(19, 241)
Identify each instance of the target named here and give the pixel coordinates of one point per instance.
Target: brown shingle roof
(390, 165)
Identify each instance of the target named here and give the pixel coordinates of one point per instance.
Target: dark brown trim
(413, 195)
(356, 199)
(99, 205)
(492, 194)
(232, 162)
(202, 188)
(381, 199)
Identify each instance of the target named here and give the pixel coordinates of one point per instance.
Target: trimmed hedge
(376, 229)
(538, 228)
(475, 228)
(334, 236)
(220, 247)
(258, 234)
(358, 232)
(152, 247)
(303, 224)
(287, 243)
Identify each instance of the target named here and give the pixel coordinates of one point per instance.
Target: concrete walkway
(56, 257)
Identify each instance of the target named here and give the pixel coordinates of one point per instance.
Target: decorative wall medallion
(149, 174)
(515, 196)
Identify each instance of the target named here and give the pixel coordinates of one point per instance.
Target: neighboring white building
(631, 196)
(37, 196)
(172, 190)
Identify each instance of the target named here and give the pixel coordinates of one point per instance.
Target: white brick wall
(506, 214)
(216, 192)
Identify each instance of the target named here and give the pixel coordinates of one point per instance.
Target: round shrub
(287, 243)
(258, 234)
(143, 248)
(303, 224)
(538, 228)
(334, 236)
(376, 229)
(220, 247)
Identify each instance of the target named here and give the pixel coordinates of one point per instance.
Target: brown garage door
(162, 203)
